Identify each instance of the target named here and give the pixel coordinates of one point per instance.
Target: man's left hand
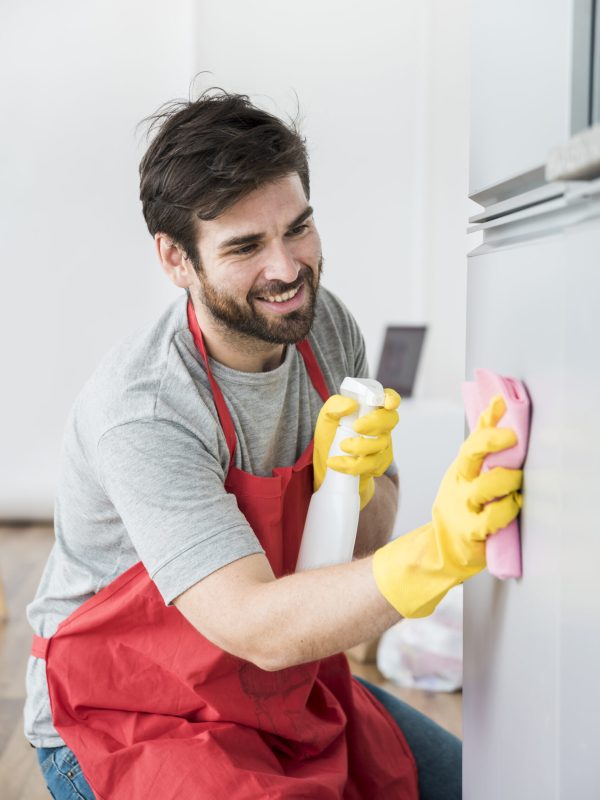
(367, 457)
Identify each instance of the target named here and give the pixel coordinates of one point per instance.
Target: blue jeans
(63, 774)
(438, 755)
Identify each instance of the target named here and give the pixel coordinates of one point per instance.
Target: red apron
(153, 710)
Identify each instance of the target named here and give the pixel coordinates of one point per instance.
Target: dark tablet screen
(400, 357)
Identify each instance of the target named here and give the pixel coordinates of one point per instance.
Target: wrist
(410, 573)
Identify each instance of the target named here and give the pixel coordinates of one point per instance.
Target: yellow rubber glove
(415, 571)
(368, 458)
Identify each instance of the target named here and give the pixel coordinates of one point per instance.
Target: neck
(233, 349)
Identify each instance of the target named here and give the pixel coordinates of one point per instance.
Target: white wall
(382, 89)
(447, 205)
(432, 424)
(78, 269)
(358, 71)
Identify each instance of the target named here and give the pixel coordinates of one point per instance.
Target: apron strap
(310, 362)
(39, 646)
(221, 406)
(313, 369)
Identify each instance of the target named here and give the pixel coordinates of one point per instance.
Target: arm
(243, 609)
(161, 478)
(303, 617)
(376, 520)
(277, 623)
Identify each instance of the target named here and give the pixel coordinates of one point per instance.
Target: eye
(298, 229)
(245, 250)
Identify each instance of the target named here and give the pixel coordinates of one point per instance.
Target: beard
(246, 319)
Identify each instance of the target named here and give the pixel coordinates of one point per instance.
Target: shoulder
(152, 374)
(334, 322)
(331, 310)
(337, 339)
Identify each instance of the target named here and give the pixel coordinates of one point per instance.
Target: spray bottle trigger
(368, 393)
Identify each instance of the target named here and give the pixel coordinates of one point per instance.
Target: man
(191, 660)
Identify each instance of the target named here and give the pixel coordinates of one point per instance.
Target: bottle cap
(368, 394)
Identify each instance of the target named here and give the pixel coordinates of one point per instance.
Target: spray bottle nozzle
(368, 393)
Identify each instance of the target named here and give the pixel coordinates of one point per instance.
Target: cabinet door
(532, 650)
(530, 84)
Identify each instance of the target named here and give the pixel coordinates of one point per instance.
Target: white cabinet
(532, 650)
(530, 86)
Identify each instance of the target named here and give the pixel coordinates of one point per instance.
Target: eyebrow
(252, 238)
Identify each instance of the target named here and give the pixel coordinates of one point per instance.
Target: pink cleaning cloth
(503, 549)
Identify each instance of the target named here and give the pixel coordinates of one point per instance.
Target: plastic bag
(426, 653)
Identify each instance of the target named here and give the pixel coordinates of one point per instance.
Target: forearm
(376, 521)
(314, 614)
(276, 623)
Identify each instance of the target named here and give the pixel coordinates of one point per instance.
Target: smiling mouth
(285, 302)
(281, 298)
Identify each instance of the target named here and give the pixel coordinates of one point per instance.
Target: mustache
(279, 287)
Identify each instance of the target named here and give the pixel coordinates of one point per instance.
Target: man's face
(261, 263)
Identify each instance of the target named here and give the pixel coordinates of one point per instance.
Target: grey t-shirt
(144, 462)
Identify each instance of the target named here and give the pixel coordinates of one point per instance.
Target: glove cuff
(366, 491)
(409, 573)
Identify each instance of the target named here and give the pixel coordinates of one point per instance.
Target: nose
(280, 265)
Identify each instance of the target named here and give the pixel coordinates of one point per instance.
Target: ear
(174, 261)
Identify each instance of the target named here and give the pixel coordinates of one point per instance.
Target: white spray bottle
(330, 528)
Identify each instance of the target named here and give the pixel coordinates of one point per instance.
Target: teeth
(281, 298)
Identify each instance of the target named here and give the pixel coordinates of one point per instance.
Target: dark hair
(208, 154)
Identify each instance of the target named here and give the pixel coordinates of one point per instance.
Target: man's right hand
(415, 571)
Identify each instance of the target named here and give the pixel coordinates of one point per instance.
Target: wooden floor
(23, 553)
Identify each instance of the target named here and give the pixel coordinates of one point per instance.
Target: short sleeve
(169, 492)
